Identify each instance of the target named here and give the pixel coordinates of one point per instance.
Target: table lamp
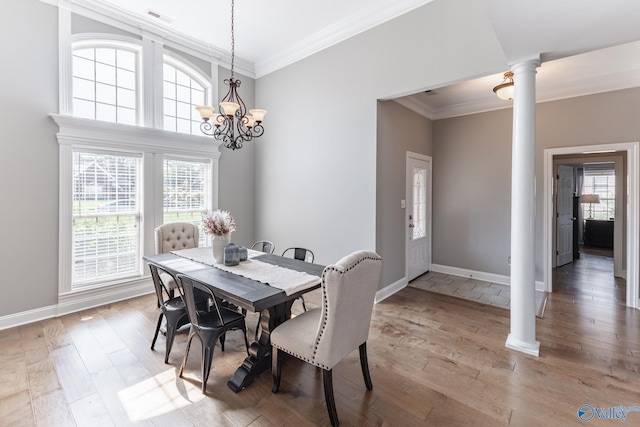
(591, 199)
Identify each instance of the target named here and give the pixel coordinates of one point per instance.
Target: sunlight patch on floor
(158, 395)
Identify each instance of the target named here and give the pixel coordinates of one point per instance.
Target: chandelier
(505, 89)
(233, 126)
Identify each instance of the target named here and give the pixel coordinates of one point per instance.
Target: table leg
(259, 359)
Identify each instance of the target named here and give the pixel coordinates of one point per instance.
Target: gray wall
(316, 166)
(399, 130)
(471, 191)
(237, 170)
(472, 172)
(29, 156)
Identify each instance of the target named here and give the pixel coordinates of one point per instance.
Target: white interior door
(418, 215)
(564, 216)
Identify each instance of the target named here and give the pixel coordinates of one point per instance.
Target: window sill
(97, 295)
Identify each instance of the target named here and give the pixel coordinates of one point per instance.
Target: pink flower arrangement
(218, 223)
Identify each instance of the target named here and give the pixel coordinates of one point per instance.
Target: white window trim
(152, 145)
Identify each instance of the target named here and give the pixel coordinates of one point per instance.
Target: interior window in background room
(105, 81)
(183, 90)
(106, 217)
(601, 181)
(186, 188)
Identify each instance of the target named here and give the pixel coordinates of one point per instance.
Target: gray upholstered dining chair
(324, 336)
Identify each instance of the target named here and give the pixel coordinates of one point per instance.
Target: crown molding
(368, 18)
(416, 106)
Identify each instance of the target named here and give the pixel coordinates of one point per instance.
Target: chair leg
(365, 366)
(275, 369)
(243, 328)
(304, 306)
(327, 381)
(207, 358)
(222, 338)
(186, 354)
(155, 336)
(171, 334)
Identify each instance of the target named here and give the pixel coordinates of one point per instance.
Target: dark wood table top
(246, 293)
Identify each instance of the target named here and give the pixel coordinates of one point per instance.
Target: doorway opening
(628, 227)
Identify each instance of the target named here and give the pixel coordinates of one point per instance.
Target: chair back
(302, 254)
(162, 292)
(264, 246)
(188, 289)
(348, 290)
(174, 236)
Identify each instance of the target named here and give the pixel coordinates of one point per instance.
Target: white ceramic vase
(218, 243)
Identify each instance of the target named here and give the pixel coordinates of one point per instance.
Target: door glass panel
(419, 203)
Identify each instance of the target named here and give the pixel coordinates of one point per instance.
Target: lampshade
(205, 111)
(505, 90)
(590, 198)
(229, 108)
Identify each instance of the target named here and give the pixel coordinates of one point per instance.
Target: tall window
(183, 90)
(603, 183)
(419, 203)
(185, 191)
(105, 83)
(106, 217)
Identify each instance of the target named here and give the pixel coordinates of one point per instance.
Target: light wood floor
(435, 361)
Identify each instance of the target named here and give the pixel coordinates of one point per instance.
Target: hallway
(590, 278)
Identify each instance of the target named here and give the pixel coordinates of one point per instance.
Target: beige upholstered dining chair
(174, 236)
(324, 336)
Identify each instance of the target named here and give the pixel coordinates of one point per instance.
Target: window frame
(97, 41)
(191, 71)
(77, 285)
(152, 145)
(147, 137)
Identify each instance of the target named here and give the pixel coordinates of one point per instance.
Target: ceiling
(586, 46)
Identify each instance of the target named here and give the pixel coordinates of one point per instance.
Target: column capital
(526, 64)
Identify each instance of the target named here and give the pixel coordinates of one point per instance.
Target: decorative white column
(522, 336)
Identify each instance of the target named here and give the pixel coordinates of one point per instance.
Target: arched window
(105, 81)
(183, 90)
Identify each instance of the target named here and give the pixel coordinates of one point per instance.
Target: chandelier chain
(233, 39)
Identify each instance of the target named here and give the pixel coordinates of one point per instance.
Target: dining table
(264, 283)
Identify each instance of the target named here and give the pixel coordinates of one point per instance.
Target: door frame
(409, 188)
(633, 212)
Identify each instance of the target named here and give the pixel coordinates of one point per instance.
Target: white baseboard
(83, 300)
(78, 301)
(29, 316)
(480, 275)
(391, 289)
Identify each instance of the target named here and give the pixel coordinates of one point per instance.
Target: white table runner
(290, 281)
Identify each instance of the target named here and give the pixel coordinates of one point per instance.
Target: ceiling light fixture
(233, 126)
(505, 89)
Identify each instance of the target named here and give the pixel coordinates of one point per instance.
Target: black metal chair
(208, 327)
(264, 246)
(302, 254)
(172, 308)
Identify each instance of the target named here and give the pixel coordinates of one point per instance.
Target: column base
(529, 348)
